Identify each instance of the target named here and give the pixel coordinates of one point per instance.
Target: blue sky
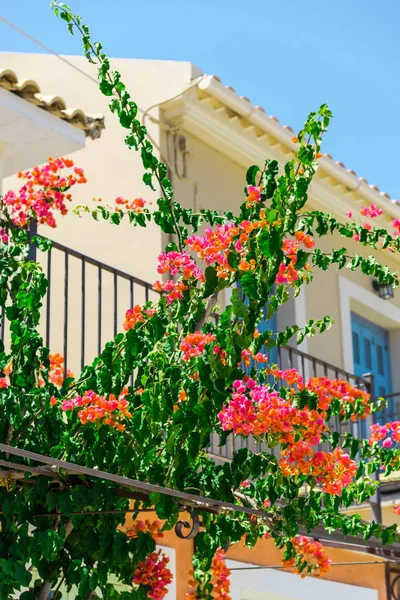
(288, 56)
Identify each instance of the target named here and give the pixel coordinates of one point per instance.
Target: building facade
(208, 135)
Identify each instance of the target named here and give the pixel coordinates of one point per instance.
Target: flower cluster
(216, 244)
(193, 344)
(259, 411)
(56, 372)
(98, 409)
(136, 315)
(152, 527)
(389, 433)
(310, 552)
(44, 192)
(292, 376)
(396, 227)
(137, 205)
(328, 389)
(213, 247)
(154, 574)
(253, 194)
(172, 288)
(287, 270)
(176, 263)
(4, 235)
(332, 470)
(220, 576)
(179, 262)
(396, 509)
(182, 397)
(371, 211)
(247, 357)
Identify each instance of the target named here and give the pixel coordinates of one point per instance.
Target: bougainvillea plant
(198, 371)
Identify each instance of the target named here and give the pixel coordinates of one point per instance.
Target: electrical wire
(82, 72)
(49, 50)
(340, 564)
(145, 113)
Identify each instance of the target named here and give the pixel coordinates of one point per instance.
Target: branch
(212, 301)
(253, 504)
(46, 586)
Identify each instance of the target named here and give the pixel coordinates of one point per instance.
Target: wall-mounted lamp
(384, 290)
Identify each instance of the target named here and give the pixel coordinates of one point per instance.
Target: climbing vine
(199, 370)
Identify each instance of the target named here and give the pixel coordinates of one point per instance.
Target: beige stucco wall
(212, 180)
(111, 168)
(323, 297)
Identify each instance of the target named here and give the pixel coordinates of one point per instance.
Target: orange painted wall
(266, 554)
(373, 576)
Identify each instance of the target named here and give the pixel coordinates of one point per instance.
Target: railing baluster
(48, 305)
(83, 315)
(147, 294)
(115, 304)
(131, 292)
(100, 308)
(66, 274)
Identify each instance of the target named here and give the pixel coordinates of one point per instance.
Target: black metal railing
(392, 411)
(308, 366)
(85, 307)
(85, 304)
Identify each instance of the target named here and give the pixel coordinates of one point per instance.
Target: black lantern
(384, 290)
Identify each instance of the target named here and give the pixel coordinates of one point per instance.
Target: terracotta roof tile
(340, 164)
(29, 90)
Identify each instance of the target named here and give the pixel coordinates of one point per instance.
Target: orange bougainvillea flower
(220, 576)
(99, 409)
(153, 527)
(182, 395)
(309, 551)
(154, 573)
(44, 192)
(193, 345)
(136, 315)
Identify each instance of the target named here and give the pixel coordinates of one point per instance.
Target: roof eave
(256, 116)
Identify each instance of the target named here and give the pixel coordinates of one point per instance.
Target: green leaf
(251, 174)
(44, 244)
(106, 88)
(269, 242)
(249, 284)
(148, 180)
(239, 308)
(211, 281)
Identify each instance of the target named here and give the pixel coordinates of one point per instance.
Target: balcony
(85, 307)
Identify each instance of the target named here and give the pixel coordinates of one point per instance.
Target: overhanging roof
(29, 90)
(217, 115)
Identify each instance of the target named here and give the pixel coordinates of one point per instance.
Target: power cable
(145, 113)
(340, 564)
(35, 41)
